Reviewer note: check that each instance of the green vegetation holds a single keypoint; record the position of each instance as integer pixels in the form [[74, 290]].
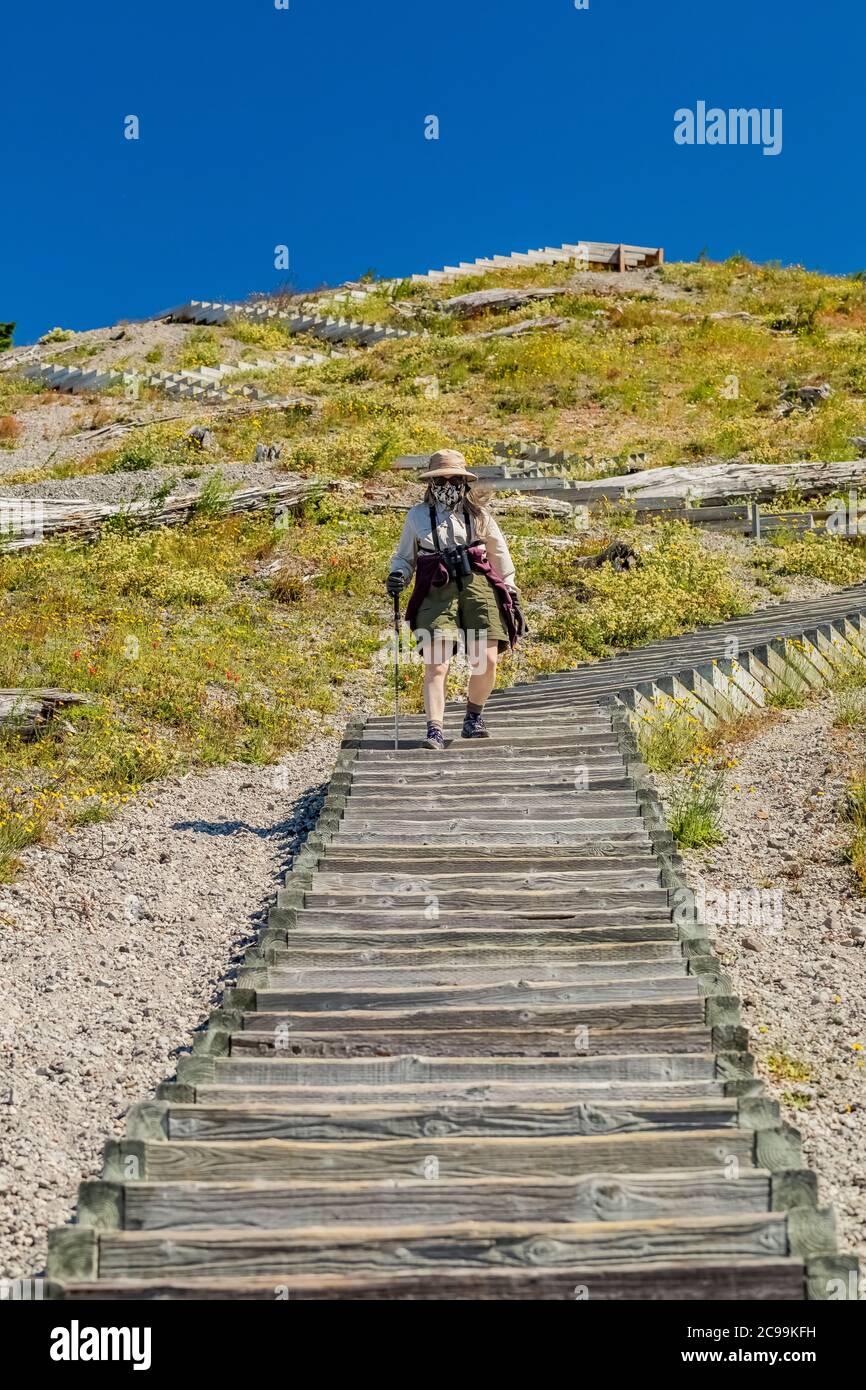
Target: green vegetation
[[783, 1067], [246, 637], [678, 585], [835, 560], [201, 349], [187, 656], [696, 806], [668, 739], [856, 812], [7, 331]]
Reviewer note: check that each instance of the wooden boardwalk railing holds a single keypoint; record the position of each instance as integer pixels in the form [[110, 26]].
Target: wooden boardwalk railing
[[483, 1049]]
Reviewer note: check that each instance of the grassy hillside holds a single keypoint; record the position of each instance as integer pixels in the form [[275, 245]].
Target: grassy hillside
[[232, 639]]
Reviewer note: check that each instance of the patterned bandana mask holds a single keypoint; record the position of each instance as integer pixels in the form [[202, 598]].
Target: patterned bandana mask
[[446, 494]]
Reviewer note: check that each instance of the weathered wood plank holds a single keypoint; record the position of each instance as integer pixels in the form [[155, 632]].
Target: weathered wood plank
[[336, 1249], [407, 1069], [598, 1197], [466, 1119], [543, 936], [389, 1004], [614, 919], [609, 896], [560, 1023], [351, 978], [456, 1092], [700, 1281], [274, 1159]]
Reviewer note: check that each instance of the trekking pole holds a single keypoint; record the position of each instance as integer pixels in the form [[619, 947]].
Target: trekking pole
[[396, 672]]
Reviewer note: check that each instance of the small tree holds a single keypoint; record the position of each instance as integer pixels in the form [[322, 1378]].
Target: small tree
[[6, 331]]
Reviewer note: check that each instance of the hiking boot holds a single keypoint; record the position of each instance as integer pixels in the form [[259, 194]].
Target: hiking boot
[[435, 739], [474, 727]]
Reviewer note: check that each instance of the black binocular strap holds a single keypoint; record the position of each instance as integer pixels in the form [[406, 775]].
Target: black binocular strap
[[435, 530]]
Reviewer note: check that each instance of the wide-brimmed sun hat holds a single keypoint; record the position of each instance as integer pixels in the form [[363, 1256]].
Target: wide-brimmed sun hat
[[448, 463]]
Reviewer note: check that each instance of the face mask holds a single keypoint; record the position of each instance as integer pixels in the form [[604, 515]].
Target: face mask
[[446, 493]]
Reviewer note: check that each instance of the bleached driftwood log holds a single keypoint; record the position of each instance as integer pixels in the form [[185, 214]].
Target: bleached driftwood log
[[26, 711], [26, 525], [720, 482], [467, 305]]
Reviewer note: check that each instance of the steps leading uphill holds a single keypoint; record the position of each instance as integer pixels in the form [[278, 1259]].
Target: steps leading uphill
[[483, 1049]]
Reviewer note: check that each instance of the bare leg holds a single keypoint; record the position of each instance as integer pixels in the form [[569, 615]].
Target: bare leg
[[435, 676], [482, 657]]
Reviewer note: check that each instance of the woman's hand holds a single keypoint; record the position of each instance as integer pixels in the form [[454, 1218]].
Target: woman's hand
[[395, 583]]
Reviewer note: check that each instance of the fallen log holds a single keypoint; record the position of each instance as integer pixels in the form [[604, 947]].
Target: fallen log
[[721, 482], [532, 506], [467, 305], [516, 330], [28, 521], [26, 712]]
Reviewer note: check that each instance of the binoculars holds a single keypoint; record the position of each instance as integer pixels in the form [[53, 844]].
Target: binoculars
[[457, 562]]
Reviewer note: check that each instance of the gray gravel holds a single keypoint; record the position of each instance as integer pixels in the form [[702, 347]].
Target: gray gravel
[[116, 942], [803, 984], [142, 484]]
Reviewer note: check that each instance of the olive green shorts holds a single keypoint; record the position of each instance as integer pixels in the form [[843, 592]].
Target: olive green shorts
[[472, 613]]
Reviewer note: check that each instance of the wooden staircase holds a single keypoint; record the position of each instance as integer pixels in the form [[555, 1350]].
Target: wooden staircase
[[483, 1049]]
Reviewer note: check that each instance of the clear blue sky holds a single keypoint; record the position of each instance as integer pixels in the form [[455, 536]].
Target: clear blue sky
[[261, 126]]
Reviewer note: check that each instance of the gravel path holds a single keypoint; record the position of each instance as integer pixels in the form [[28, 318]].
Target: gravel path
[[126, 487], [115, 943], [802, 981]]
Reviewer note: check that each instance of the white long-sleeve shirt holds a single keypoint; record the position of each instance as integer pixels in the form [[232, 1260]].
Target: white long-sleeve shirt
[[451, 530]]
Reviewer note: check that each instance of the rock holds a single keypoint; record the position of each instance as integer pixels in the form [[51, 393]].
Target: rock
[[751, 944], [202, 438], [805, 397]]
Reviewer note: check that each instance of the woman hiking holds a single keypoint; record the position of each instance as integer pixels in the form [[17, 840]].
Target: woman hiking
[[464, 587]]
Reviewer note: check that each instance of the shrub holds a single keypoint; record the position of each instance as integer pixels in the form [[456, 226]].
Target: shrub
[[10, 431], [193, 588], [678, 585], [56, 335], [201, 349], [835, 560], [696, 808], [667, 740]]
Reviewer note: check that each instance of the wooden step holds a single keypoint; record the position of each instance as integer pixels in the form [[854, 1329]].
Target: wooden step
[[155, 1206], [351, 978], [332, 1249], [693, 1280], [546, 936], [687, 1064], [390, 1004], [603, 961], [455, 1091], [466, 1119]]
